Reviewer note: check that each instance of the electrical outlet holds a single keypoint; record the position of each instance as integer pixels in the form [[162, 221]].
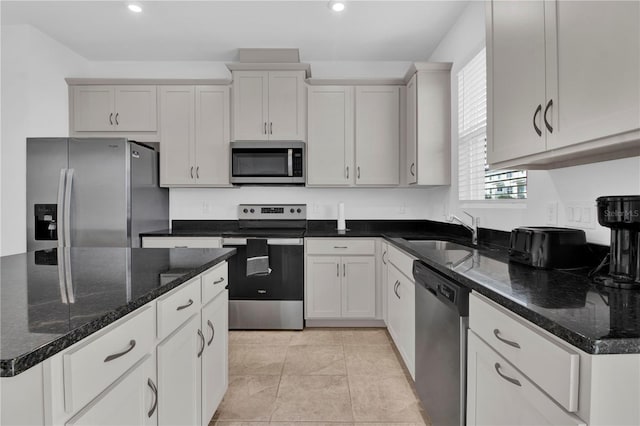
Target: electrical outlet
[[552, 213], [581, 215], [402, 209], [206, 208]]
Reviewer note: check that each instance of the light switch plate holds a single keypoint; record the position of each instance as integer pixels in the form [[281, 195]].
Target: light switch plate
[[581, 214], [552, 213]]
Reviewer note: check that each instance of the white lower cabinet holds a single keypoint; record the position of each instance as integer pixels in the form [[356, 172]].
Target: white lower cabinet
[[130, 400], [498, 394], [341, 287], [401, 315], [215, 365], [179, 375]]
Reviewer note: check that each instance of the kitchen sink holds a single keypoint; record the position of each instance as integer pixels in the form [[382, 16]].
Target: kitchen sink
[[438, 245]]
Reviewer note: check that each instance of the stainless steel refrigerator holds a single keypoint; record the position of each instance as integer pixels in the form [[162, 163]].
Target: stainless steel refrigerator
[[99, 192]]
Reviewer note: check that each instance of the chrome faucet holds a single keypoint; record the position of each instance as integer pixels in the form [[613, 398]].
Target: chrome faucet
[[473, 228]]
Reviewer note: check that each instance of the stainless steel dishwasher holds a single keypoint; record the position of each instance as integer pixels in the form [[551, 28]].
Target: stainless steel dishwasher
[[442, 320]]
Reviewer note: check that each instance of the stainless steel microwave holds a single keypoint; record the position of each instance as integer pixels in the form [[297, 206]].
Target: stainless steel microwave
[[272, 162]]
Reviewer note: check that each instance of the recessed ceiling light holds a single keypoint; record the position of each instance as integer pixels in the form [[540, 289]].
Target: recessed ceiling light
[[336, 6], [135, 8]]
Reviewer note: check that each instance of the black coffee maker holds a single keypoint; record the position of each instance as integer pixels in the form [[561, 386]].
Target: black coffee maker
[[621, 213]]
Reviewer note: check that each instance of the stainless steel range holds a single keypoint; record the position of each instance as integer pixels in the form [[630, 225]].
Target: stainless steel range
[[266, 276]]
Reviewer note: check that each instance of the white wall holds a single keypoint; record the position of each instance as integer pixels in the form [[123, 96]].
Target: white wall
[[34, 103], [567, 186]]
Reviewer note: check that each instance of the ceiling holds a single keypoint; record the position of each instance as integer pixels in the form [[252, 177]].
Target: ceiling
[[214, 30]]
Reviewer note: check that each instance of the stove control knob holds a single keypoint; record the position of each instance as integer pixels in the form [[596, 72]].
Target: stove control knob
[[299, 210], [252, 211], [245, 211], [292, 210]]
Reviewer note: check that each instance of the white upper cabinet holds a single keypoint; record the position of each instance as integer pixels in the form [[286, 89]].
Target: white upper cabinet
[[354, 135], [330, 140], [194, 128], [114, 108], [269, 105], [428, 120], [563, 82], [377, 135]]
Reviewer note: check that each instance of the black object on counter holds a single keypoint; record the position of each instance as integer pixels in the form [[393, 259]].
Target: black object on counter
[[621, 213], [548, 247]]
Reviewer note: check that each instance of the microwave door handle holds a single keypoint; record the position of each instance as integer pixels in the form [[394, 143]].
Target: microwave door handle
[[290, 161]]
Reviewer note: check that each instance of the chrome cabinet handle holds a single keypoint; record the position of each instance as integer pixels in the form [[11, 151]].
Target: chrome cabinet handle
[[132, 344], [496, 333], [111, 119], [507, 378], [344, 269], [154, 389], [395, 288], [189, 303], [191, 172], [213, 332], [218, 281], [358, 170], [347, 172], [265, 127], [202, 340], [340, 247], [412, 169], [198, 172], [270, 128], [383, 255], [535, 115], [337, 269], [117, 114], [546, 121]]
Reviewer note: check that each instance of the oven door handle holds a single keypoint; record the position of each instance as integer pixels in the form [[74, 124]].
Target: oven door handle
[[270, 241], [290, 161]]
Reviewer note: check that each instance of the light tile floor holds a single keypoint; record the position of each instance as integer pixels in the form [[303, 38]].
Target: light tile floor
[[336, 377]]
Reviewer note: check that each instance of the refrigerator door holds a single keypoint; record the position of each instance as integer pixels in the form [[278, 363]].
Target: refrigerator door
[[99, 213], [46, 159]]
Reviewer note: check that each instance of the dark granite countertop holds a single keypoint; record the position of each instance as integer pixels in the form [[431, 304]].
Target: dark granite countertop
[[566, 303], [40, 316]]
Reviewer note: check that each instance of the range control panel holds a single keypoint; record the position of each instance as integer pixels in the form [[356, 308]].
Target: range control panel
[[272, 211]]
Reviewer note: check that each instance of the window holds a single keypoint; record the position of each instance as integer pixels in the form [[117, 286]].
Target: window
[[475, 180]]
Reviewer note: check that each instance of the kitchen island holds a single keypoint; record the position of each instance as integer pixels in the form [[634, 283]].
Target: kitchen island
[[80, 326]]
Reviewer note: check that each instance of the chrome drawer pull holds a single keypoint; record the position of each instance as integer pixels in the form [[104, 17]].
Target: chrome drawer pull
[[342, 247], [218, 281], [155, 399], [179, 308], [213, 332], [496, 333], [202, 340], [132, 344], [383, 255], [180, 247], [507, 378]]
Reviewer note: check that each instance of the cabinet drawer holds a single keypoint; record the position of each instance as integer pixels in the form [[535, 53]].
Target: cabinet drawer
[[339, 247], [401, 260], [552, 366], [176, 307], [214, 282], [181, 242], [94, 365]]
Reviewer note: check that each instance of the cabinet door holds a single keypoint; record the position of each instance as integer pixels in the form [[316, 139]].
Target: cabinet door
[[497, 394], [330, 139], [179, 375], [377, 135], [385, 277], [394, 313], [358, 287], [212, 135], [93, 108], [409, 167], [406, 293], [322, 293], [515, 79], [593, 70], [250, 105], [177, 123], [135, 108], [130, 400], [215, 377], [287, 109]]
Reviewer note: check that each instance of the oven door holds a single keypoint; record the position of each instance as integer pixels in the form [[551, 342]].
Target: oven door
[[274, 301]]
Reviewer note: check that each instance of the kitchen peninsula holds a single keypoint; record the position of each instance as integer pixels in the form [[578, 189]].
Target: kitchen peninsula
[[86, 330]]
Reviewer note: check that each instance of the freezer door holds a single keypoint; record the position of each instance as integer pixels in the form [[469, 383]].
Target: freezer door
[[46, 159], [99, 207]]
